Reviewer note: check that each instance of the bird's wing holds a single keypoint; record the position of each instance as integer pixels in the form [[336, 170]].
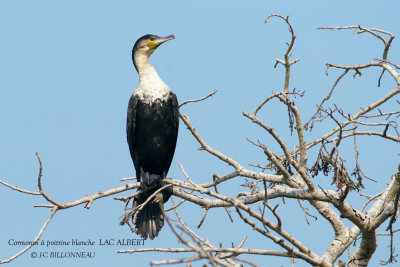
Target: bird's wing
[[175, 106], [131, 124]]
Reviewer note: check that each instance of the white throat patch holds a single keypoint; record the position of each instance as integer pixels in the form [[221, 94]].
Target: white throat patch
[[151, 87]]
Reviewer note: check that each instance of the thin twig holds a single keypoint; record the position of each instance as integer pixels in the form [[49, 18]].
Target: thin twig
[[198, 100], [53, 212]]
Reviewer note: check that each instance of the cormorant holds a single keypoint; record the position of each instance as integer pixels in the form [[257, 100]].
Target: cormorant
[[152, 131]]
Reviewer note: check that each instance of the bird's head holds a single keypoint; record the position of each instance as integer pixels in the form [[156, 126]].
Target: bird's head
[[145, 46]]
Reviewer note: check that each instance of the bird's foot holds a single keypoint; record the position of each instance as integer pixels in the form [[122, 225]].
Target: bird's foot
[[148, 180]]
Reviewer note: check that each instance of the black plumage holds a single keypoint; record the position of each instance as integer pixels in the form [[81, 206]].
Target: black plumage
[[152, 130]]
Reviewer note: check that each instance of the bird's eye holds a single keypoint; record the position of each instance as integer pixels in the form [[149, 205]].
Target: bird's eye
[[151, 38]]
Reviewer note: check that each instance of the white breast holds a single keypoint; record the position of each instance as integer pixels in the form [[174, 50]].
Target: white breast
[[151, 87]]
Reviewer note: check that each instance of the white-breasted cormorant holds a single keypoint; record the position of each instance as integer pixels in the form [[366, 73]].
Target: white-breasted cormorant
[[152, 130]]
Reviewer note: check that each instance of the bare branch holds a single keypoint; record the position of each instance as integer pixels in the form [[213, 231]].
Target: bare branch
[[372, 31], [53, 212], [198, 100], [288, 52], [356, 116], [19, 189], [324, 100], [237, 251]]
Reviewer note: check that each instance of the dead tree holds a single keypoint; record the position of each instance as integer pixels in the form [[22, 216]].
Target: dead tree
[[288, 175]]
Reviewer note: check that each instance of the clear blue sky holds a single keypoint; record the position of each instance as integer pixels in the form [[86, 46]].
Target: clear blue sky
[[67, 75]]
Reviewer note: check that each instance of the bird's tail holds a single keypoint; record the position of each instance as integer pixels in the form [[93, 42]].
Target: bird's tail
[[150, 219]]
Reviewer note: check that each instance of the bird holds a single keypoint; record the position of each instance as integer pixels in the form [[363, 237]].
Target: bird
[[152, 131]]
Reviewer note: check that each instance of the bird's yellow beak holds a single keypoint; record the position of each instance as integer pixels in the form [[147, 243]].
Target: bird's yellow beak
[[158, 41]]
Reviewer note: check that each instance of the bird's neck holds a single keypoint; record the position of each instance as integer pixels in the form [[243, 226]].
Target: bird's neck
[[143, 68], [151, 88], [148, 73], [140, 61]]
